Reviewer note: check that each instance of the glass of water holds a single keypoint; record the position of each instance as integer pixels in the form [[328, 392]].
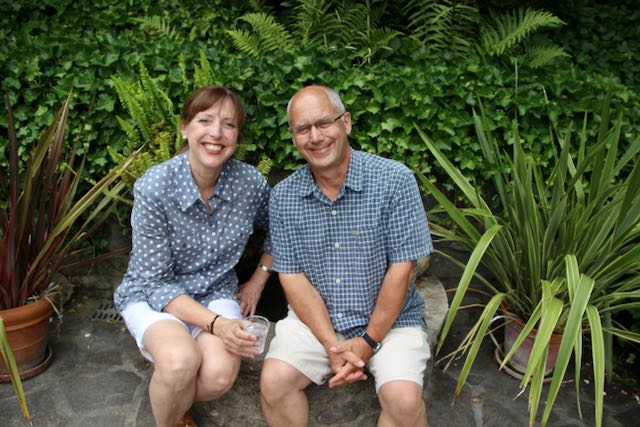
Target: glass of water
[[258, 326]]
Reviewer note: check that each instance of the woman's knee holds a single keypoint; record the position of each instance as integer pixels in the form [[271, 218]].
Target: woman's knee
[[217, 377], [176, 365]]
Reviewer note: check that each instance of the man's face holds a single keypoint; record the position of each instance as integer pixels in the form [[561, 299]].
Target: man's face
[[320, 132]]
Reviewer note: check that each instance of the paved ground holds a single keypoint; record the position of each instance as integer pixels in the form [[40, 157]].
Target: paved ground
[[99, 379]]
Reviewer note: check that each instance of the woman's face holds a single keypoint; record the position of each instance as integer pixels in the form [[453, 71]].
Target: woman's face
[[212, 137]]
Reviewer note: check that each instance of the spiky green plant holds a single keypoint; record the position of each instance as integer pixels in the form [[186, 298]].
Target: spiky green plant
[[563, 249], [14, 373], [46, 217]]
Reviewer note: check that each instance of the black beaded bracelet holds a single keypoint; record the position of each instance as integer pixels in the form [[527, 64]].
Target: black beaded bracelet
[[212, 323]]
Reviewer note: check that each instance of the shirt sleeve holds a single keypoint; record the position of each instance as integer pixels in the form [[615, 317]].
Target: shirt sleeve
[[262, 215], [408, 231], [285, 260], [151, 252]]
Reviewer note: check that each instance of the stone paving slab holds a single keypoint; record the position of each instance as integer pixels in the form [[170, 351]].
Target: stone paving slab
[[98, 378]]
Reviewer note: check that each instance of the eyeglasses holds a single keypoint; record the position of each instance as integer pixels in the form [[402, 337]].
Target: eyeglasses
[[324, 124]]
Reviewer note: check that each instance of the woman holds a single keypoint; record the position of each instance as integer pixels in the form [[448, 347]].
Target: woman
[[191, 219]]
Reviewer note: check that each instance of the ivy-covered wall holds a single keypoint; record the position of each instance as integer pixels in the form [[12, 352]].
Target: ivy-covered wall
[[51, 47]]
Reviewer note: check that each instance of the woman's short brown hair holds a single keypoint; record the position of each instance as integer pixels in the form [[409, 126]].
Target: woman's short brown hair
[[207, 96]]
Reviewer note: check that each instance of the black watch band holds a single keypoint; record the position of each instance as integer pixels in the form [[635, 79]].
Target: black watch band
[[372, 343]]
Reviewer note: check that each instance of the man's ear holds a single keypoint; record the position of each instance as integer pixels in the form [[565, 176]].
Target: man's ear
[[347, 122]]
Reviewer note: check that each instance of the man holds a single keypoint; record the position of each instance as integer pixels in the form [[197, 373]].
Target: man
[[347, 229]]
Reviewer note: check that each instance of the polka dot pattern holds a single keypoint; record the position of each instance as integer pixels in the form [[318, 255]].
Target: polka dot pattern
[[181, 248]]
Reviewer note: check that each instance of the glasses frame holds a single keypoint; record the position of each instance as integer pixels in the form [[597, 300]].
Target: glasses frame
[[329, 122]]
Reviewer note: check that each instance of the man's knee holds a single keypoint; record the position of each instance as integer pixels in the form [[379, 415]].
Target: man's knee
[[402, 398], [278, 378]]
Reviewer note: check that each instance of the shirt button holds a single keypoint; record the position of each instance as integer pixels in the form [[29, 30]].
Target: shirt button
[[334, 212], [336, 245], [338, 281], [339, 315]]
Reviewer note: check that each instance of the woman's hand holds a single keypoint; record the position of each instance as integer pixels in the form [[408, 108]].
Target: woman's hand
[[248, 295], [236, 340]]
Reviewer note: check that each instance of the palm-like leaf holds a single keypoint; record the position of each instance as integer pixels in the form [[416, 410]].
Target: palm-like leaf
[[566, 256], [44, 209]]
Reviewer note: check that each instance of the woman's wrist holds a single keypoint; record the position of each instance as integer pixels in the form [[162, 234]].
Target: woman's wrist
[[212, 324]]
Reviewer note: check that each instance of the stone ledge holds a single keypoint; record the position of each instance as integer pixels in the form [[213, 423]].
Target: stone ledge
[[349, 405]]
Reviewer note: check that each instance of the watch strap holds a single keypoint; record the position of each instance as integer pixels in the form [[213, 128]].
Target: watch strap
[[372, 343]]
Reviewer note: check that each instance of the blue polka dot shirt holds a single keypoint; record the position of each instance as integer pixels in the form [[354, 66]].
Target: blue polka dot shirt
[[180, 248], [344, 247]]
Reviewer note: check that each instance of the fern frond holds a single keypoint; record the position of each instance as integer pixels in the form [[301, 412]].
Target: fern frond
[[268, 35], [265, 165], [272, 34], [241, 152], [508, 29], [539, 56], [156, 26], [315, 23], [246, 42], [443, 25], [202, 74]]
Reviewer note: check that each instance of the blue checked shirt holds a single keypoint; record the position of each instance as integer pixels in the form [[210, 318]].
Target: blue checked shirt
[[179, 247], [344, 247]]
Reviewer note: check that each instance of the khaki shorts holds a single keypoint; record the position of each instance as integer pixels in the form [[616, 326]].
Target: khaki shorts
[[139, 316], [403, 355]]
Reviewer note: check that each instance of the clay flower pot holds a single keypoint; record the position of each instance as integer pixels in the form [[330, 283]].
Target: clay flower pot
[[28, 330]]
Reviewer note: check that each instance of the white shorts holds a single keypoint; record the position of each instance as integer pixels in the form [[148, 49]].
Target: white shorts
[[139, 316], [403, 355]]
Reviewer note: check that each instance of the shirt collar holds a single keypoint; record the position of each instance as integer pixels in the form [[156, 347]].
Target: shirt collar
[[188, 187], [353, 180]]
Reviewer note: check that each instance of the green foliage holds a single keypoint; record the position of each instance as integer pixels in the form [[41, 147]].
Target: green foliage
[[47, 216], [268, 35], [561, 246], [14, 372], [317, 24], [443, 25], [385, 95], [504, 31], [152, 122]]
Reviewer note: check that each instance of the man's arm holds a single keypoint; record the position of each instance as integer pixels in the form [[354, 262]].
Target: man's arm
[[391, 298], [312, 311]]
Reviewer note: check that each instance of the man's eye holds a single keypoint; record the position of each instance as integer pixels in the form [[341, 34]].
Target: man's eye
[[303, 130], [324, 124]]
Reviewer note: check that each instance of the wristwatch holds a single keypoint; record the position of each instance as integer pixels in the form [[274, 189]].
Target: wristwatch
[[372, 343]]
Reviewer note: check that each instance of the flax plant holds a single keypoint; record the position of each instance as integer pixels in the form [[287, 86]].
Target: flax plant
[[14, 374], [563, 249], [46, 216]]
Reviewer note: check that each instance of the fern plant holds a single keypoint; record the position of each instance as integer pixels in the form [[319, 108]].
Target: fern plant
[[502, 33], [322, 24], [267, 36], [442, 24], [153, 126], [152, 123]]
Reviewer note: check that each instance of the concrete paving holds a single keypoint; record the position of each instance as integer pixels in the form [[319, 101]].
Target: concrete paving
[[98, 378]]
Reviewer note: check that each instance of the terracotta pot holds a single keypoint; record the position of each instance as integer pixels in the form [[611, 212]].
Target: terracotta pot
[[28, 331], [520, 358]]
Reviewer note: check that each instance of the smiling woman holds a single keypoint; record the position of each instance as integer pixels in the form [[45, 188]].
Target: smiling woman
[[191, 220]]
